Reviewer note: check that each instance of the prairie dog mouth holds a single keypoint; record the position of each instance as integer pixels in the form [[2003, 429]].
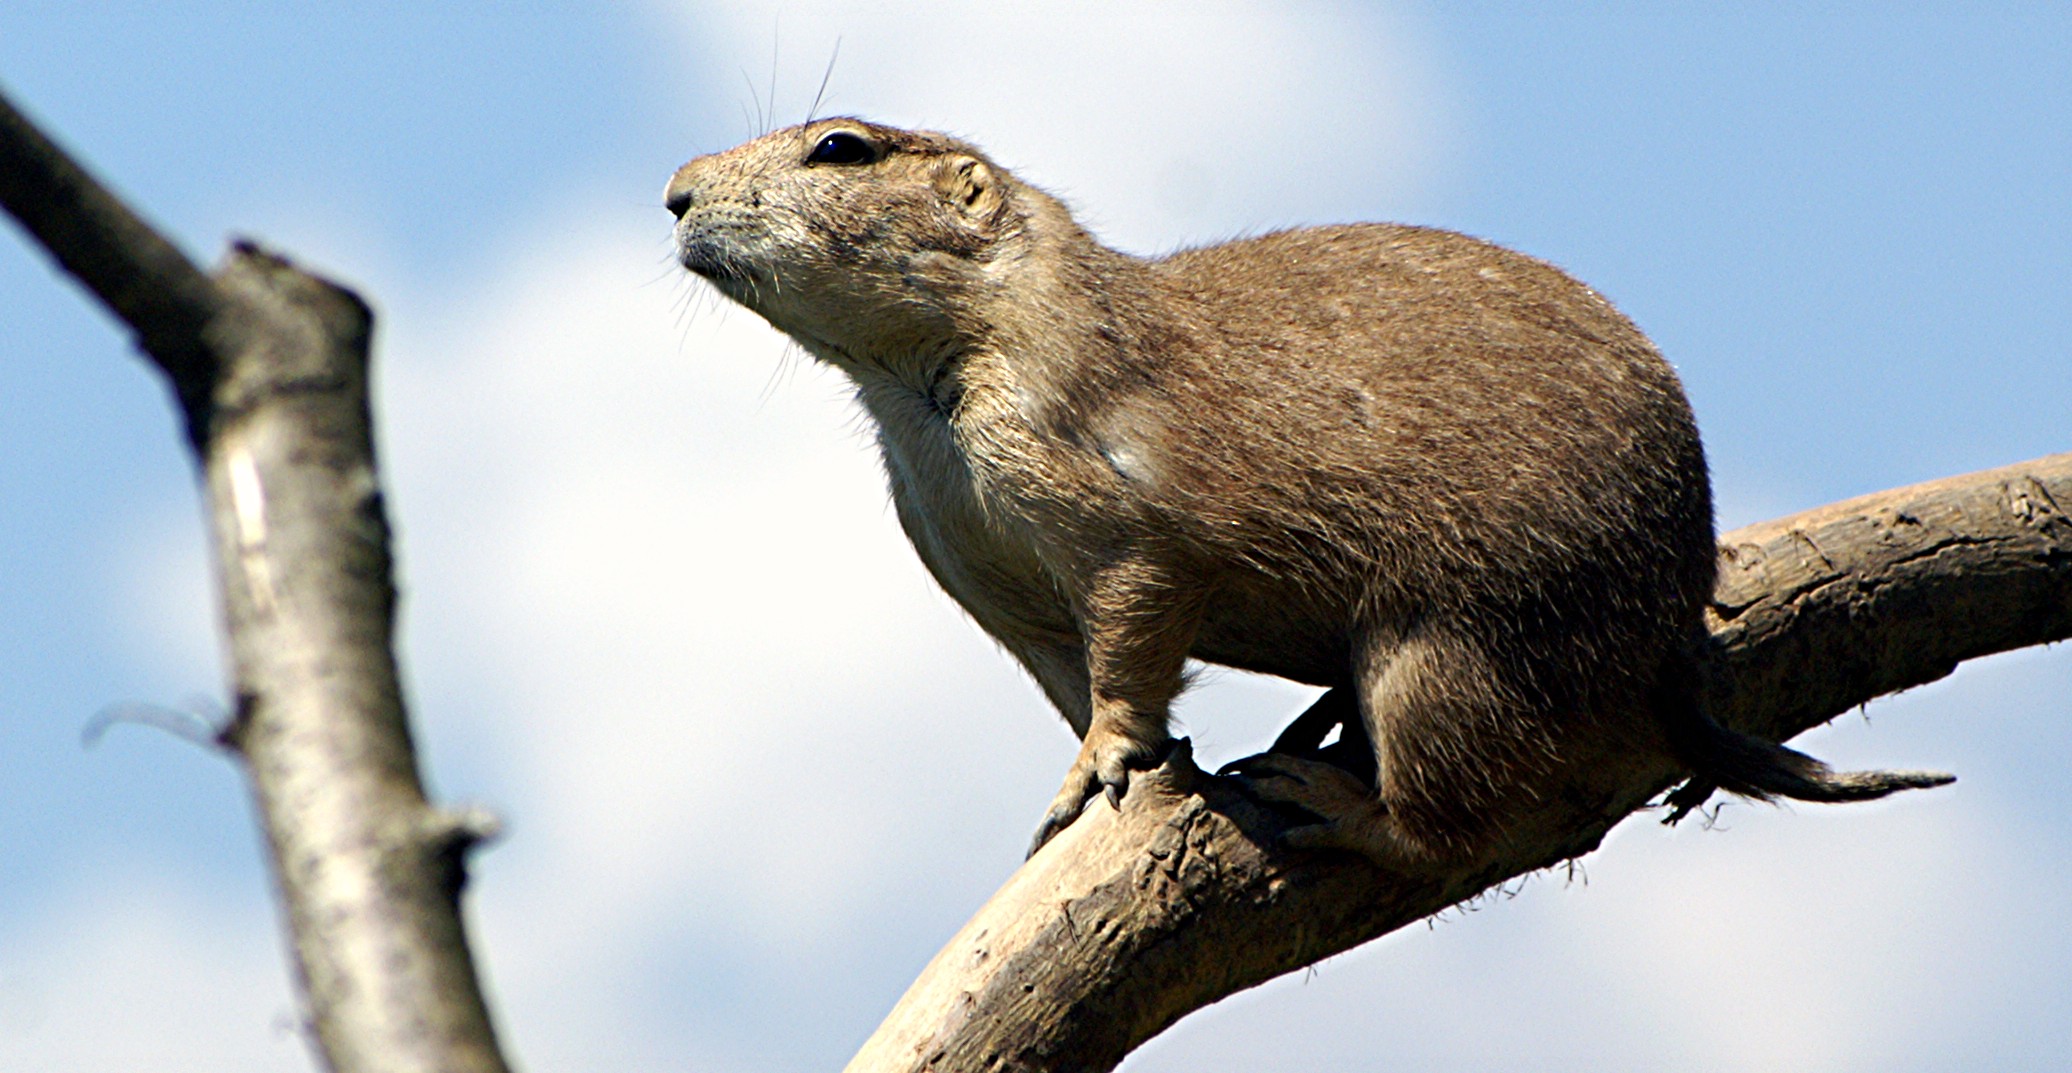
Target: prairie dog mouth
[[704, 258], [710, 256]]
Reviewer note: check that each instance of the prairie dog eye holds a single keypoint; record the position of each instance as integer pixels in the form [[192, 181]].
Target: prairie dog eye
[[842, 147]]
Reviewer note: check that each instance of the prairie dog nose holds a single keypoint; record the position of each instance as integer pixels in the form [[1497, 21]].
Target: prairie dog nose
[[676, 197]]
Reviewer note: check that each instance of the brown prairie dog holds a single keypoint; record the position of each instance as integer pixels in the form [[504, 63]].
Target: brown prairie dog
[[1441, 478]]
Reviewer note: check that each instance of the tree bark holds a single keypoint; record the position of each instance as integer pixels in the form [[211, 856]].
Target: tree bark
[[270, 367], [1130, 919]]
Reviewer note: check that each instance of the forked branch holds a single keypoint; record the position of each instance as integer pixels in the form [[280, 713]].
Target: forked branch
[[270, 366]]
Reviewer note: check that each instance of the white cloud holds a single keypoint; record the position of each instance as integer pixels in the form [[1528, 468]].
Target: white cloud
[[130, 973], [160, 595], [1160, 125]]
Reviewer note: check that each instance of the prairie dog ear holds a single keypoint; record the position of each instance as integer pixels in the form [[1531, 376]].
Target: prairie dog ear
[[967, 183]]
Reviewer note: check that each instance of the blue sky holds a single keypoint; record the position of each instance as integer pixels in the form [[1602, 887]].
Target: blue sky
[[658, 615]]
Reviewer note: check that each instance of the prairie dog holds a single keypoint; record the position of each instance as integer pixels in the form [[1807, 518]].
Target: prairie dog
[[1441, 478]]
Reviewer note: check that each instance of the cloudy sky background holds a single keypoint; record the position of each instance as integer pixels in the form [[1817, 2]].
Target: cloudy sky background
[[658, 614]]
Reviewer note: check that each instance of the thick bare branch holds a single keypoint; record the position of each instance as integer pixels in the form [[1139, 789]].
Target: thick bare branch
[[1130, 920], [1820, 611], [370, 872], [271, 364]]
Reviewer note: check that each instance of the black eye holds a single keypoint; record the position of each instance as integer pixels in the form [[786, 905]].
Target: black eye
[[841, 147]]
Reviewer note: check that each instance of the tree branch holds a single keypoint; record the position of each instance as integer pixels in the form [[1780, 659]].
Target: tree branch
[[142, 278], [270, 364], [1129, 920]]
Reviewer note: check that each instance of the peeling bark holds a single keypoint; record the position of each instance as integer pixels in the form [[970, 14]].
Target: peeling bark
[[1129, 920]]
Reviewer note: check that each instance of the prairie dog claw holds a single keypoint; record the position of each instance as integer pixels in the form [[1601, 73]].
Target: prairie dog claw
[[1350, 816], [1102, 769]]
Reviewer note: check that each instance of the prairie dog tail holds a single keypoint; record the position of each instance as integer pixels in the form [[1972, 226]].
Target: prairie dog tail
[[1723, 759]]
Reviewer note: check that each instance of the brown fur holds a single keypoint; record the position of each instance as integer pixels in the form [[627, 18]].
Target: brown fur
[[1403, 463]]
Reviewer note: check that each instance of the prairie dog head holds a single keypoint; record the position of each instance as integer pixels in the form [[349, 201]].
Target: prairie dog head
[[865, 243]]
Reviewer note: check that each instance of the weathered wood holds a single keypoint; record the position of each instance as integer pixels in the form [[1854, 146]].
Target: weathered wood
[[370, 873], [1131, 919], [270, 364]]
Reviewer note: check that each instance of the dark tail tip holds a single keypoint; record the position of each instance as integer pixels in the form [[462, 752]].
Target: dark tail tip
[[1726, 760]]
